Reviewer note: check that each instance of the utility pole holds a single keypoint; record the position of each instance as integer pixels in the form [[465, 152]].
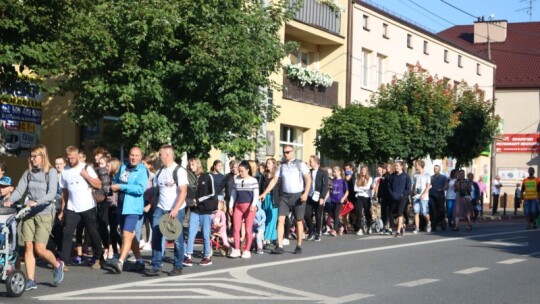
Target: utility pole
[[528, 9], [493, 160]]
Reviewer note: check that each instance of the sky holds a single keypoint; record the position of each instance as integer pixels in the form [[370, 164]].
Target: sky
[[436, 15]]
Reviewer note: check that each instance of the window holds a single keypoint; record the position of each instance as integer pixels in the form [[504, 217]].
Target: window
[[365, 22], [365, 67], [385, 30], [292, 136], [478, 70], [426, 51], [380, 69], [304, 59], [459, 63], [446, 56], [409, 41]]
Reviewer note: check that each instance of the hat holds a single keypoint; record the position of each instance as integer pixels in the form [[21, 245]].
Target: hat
[[170, 228], [5, 181]]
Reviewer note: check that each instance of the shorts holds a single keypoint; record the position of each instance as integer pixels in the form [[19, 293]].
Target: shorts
[[37, 228], [398, 206], [291, 202], [421, 206], [128, 222], [530, 207]]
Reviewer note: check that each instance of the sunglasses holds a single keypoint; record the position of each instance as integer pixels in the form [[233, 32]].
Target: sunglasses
[[287, 152]]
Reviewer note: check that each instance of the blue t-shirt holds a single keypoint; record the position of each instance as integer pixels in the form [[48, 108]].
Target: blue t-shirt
[[339, 187]]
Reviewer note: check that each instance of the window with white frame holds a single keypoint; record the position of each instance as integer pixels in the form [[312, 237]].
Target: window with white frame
[[446, 56], [478, 69], [426, 45], [365, 22], [293, 136], [381, 63], [385, 30], [409, 41], [365, 67], [459, 61], [303, 58]]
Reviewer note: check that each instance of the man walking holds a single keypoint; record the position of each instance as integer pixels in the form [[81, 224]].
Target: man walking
[[422, 186], [530, 189], [170, 187], [436, 195], [78, 205], [315, 203], [399, 187], [295, 186]]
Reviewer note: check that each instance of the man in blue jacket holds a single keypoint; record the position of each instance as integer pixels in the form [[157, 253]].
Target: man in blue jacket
[[399, 186], [130, 183]]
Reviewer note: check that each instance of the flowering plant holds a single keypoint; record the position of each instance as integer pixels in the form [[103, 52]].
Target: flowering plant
[[334, 5], [306, 76]]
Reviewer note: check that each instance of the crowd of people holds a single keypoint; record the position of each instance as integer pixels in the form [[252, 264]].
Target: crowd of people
[[106, 206]]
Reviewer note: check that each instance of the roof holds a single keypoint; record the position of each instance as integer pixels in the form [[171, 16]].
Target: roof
[[413, 25], [517, 58]]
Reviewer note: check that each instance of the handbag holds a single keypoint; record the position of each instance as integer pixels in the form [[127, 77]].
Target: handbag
[[347, 207], [99, 196]]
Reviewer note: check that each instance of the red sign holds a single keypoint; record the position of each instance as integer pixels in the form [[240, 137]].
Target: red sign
[[519, 143]]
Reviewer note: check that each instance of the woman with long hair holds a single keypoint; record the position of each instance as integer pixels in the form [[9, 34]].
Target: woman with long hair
[[113, 165], [451, 196], [270, 201], [362, 204], [463, 207], [39, 182], [338, 196]]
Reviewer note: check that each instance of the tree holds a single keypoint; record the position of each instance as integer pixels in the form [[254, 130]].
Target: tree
[[189, 72], [476, 128], [358, 133], [426, 112]]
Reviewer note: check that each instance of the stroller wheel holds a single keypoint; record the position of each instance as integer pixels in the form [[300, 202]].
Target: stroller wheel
[[15, 283]]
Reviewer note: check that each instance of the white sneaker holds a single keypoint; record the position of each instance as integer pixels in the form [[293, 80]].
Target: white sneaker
[[235, 253], [285, 242], [246, 255], [415, 231], [147, 247], [428, 227], [141, 244], [132, 258], [359, 232]]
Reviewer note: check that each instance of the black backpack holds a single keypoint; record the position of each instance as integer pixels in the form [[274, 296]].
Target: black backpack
[[192, 180]]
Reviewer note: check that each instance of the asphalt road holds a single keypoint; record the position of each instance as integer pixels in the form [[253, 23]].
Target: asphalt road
[[498, 262]]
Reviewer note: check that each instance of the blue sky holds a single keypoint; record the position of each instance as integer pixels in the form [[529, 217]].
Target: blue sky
[[436, 15]]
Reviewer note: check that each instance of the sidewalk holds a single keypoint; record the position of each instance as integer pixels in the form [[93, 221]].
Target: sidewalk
[[502, 216]]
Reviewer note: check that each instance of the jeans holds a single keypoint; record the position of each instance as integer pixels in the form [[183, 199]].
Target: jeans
[[158, 241], [450, 209], [495, 203], [196, 220]]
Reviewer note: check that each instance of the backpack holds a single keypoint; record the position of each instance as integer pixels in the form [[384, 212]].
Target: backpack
[[99, 195], [192, 179]]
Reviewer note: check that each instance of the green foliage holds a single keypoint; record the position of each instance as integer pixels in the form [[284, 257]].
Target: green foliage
[[426, 110], [188, 72], [358, 133], [476, 127]]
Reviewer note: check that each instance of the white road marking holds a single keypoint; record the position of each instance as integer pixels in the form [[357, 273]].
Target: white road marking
[[511, 261], [507, 244], [532, 254], [78, 294], [471, 270], [417, 282], [509, 239]]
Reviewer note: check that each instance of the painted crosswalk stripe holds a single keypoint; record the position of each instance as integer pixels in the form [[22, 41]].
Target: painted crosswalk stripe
[[511, 261], [506, 244], [417, 282], [471, 270]]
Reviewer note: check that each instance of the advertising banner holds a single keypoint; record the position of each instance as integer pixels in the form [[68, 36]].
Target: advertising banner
[[519, 143]]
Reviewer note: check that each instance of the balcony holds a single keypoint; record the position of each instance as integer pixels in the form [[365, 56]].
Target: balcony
[[318, 15], [320, 96]]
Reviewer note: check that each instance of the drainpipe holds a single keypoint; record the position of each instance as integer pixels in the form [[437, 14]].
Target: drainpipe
[[348, 76]]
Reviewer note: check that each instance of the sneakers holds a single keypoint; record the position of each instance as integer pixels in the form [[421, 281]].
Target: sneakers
[[278, 250], [285, 242], [117, 266], [317, 238], [428, 227], [298, 250], [132, 259], [187, 262], [175, 272], [96, 265], [30, 284], [293, 235], [77, 260], [359, 232], [415, 231], [235, 253], [139, 267], [311, 237], [246, 254], [58, 273], [260, 251], [207, 261], [154, 272], [333, 233]]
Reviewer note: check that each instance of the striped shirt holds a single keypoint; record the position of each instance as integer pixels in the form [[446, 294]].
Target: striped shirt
[[245, 190]]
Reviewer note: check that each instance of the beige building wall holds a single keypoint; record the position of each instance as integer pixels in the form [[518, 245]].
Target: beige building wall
[[392, 46]]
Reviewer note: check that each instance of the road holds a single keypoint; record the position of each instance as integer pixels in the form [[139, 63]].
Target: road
[[496, 263]]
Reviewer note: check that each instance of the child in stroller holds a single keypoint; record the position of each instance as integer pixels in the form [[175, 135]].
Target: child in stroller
[[219, 241]]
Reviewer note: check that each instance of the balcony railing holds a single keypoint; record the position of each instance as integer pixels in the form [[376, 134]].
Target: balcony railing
[[319, 15], [320, 96]]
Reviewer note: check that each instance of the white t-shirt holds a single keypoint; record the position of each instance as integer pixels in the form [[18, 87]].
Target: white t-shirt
[[451, 193], [292, 181], [80, 196], [422, 180], [168, 190], [496, 190]]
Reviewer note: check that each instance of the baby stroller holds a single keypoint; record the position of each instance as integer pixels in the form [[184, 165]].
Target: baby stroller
[[15, 279], [216, 244], [377, 223]]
